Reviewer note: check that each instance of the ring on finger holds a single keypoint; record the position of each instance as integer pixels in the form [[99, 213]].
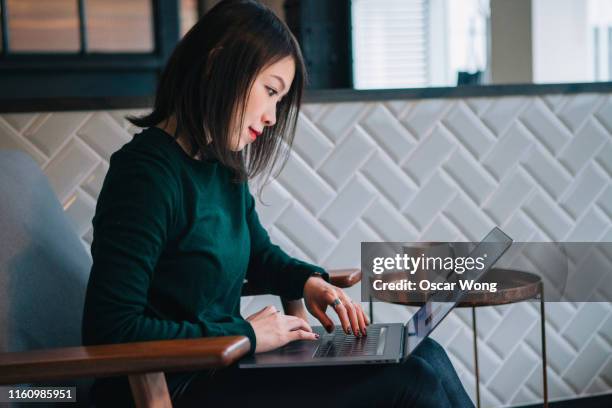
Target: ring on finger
[[336, 302]]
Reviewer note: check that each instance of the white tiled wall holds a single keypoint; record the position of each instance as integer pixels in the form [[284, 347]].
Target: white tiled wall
[[438, 169]]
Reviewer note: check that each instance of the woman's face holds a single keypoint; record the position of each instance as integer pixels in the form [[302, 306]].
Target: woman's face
[[269, 87]]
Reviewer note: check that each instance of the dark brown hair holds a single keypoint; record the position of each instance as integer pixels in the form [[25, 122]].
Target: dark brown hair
[[207, 80]]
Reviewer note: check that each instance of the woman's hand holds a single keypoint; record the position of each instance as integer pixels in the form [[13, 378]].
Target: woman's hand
[[273, 329], [318, 294]]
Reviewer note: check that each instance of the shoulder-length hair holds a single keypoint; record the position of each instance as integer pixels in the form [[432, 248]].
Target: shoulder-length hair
[[206, 82]]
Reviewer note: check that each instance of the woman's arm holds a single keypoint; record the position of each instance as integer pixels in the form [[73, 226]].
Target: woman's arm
[[133, 223], [269, 266]]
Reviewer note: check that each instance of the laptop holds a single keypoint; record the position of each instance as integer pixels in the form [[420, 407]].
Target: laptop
[[385, 343]]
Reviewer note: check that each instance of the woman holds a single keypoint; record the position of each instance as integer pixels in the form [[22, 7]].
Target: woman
[[176, 231]]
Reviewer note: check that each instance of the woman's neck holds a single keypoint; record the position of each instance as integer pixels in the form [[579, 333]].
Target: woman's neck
[[169, 126]]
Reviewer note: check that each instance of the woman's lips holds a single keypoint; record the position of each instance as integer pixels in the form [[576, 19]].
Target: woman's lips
[[253, 134]]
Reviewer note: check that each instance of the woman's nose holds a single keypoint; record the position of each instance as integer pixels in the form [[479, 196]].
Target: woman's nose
[[269, 117]]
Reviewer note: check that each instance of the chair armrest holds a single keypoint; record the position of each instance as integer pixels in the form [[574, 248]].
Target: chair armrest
[[342, 278], [121, 359]]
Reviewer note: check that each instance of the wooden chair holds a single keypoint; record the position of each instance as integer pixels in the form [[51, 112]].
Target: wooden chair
[[43, 277]]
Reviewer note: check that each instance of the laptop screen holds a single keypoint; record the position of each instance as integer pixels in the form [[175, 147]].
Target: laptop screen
[[440, 303]]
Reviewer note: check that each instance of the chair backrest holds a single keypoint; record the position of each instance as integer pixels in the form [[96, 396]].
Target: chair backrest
[[44, 266]]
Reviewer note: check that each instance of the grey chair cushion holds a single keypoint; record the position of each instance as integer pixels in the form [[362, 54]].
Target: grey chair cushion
[[44, 266]]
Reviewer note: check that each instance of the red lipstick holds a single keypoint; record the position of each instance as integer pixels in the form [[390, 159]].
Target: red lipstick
[[253, 133]]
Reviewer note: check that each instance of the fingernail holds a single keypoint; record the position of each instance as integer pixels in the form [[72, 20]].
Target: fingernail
[[316, 336], [348, 330]]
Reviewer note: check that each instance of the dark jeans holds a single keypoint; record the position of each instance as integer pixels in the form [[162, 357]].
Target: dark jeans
[[426, 379]]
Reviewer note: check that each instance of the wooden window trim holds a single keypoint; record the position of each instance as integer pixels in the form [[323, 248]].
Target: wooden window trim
[[67, 81]]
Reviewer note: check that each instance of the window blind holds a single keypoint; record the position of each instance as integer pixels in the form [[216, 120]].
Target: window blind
[[390, 43]]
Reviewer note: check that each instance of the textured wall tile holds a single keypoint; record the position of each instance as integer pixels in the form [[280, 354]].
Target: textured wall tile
[[346, 250], [339, 118], [584, 323], [555, 102], [11, 140], [69, 167], [431, 152], [510, 330], [477, 184], [347, 157], [441, 229], [544, 125], [606, 331], [557, 387], [556, 345], [49, 135], [387, 221], [389, 179], [590, 227], [557, 314], [103, 134], [468, 218], [605, 201], [274, 200], [502, 112], [468, 128], [432, 198], [583, 146], [604, 158], [311, 143], [479, 104], [506, 378], [312, 191], [425, 115], [548, 217], [547, 171], [604, 113], [347, 206], [459, 346], [578, 108], [509, 194], [19, 121], [586, 187], [397, 107], [302, 227], [388, 132], [586, 364], [509, 149], [600, 267]]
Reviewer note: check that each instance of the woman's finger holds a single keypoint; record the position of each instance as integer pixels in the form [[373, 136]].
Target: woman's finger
[[263, 312], [302, 335], [296, 323], [338, 306], [351, 311], [324, 319], [361, 316]]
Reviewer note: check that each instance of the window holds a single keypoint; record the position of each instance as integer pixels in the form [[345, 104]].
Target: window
[[417, 43], [88, 54], [599, 22], [390, 43]]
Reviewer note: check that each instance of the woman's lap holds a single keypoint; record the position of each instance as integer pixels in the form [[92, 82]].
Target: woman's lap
[[423, 380]]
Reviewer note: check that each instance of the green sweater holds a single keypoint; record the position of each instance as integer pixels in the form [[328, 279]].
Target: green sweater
[[174, 239]]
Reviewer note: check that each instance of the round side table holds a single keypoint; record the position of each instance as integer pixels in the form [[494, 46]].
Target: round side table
[[512, 286]]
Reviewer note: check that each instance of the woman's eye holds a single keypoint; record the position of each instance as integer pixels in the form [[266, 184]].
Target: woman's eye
[[271, 92]]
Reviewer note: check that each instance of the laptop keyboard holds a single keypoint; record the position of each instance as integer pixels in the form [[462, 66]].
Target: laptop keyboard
[[340, 344]]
